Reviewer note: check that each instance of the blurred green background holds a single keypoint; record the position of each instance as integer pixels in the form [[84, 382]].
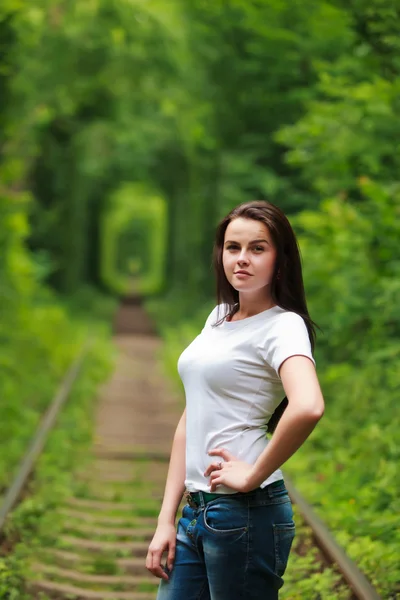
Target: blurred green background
[[129, 127]]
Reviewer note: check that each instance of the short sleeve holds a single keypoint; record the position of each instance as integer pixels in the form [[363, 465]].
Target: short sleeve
[[287, 337]]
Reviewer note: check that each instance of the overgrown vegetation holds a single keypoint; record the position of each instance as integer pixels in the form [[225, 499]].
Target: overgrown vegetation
[[201, 105], [35, 524], [343, 152]]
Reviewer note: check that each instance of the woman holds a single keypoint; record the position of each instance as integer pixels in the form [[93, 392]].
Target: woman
[[235, 534]]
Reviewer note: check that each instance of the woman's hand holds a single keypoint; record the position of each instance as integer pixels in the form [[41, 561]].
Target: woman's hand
[[231, 472], [164, 540]]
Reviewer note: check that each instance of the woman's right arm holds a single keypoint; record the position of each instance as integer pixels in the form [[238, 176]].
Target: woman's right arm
[[164, 538]]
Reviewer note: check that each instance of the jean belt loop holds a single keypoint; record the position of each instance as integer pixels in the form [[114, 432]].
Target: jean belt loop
[[202, 501]]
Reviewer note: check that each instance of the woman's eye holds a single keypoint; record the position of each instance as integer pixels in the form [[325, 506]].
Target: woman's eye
[[255, 248]]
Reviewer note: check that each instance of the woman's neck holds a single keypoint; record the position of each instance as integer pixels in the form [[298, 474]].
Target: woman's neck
[[253, 307]]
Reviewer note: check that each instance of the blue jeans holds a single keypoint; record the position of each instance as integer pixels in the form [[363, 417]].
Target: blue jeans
[[234, 547]]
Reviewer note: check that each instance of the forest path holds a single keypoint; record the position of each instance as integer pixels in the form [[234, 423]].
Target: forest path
[[109, 522]]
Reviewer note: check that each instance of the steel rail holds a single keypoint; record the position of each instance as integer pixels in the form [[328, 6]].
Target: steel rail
[[36, 446], [360, 585]]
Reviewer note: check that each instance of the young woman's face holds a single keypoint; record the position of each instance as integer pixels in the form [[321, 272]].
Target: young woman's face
[[248, 255]]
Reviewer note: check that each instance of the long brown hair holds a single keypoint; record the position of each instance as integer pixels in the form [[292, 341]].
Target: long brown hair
[[287, 289]]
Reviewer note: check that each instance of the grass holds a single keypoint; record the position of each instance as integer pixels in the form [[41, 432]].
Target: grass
[[35, 523], [307, 575]]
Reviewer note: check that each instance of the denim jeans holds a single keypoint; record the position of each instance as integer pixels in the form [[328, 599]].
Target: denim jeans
[[232, 548]]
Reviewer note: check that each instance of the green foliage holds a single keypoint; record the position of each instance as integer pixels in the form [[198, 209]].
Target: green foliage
[[129, 128], [185, 101], [12, 579], [133, 229], [350, 131], [39, 342], [345, 146], [307, 575], [75, 136], [34, 524], [348, 468]]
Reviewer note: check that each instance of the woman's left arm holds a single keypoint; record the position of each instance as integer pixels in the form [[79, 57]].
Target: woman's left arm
[[305, 408]]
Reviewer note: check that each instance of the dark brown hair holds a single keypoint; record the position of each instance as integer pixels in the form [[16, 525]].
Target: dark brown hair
[[287, 290]]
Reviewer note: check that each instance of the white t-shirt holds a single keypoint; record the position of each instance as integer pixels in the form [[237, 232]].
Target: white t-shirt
[[232, 386]]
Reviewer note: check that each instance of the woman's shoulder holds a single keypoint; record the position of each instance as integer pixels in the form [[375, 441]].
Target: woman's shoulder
[[286, 320], [287, 316], [218, 312], [212, 317]]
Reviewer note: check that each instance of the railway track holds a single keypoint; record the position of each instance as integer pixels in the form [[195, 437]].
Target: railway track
[[108, 522]]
